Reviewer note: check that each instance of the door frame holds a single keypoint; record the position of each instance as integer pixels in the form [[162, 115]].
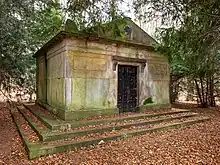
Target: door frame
[[138, 65]]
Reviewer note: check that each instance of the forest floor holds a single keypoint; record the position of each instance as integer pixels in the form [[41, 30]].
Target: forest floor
[[195, 144]]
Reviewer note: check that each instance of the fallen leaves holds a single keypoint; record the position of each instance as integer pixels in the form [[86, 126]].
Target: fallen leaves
[[195, 144]]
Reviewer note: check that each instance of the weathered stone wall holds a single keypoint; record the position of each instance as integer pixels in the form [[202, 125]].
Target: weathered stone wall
[[136, 34], [154, 79], [56, 76], [157, 78], [89, 77], [140, 36], [41, 79], [93, 81], [79, 76]]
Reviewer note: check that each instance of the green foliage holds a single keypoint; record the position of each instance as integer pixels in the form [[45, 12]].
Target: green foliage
[[24, 27], [191, 41], [88, 14], [149, 100], [113, 29], [71, 26]]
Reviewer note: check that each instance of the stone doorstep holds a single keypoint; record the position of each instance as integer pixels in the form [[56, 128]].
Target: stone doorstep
[[56, 125], [36, 150], [49, 136]]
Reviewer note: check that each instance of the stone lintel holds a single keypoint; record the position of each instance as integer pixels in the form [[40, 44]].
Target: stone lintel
[[128, 59]]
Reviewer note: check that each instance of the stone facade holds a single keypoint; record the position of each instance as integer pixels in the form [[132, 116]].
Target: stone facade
[[77, 76]]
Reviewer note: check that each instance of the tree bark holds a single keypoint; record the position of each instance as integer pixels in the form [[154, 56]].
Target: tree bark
[[211, 93], [202, 102], [174, 88]]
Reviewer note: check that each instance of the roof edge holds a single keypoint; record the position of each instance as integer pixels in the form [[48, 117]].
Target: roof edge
[[88, 36], [47, 43]]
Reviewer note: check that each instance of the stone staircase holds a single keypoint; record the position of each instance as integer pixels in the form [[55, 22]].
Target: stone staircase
[[43, 133]]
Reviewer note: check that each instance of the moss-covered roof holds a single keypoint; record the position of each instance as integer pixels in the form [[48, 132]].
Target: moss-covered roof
[[86, 36]]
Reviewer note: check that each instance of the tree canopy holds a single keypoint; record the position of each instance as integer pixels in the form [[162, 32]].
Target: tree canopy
[[190, 40], [189, 37], [26, 25]]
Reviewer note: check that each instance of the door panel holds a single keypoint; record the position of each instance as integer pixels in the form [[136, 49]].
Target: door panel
[[127, 88]]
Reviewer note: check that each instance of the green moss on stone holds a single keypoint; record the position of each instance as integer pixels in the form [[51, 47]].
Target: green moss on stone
[[148, 100]]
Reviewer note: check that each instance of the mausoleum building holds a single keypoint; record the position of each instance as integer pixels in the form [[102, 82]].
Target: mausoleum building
[[80, 75]]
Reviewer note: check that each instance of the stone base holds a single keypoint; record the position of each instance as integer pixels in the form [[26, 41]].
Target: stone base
[[154, 106], [71, 115]]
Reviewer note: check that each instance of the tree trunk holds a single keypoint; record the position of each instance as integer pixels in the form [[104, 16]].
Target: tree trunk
[[190, 91], [211, 93], [203, 103], [174, 88]]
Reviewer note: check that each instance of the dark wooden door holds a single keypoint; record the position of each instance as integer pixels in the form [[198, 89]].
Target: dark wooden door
[[127, 88]]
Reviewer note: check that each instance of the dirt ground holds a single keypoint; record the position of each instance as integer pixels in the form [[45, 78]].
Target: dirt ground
[[195, 144]]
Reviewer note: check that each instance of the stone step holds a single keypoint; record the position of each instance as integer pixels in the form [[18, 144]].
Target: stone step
[[47, 119], [56, 124], [38, 148], [62, 135], [51, 135], [40, 132], [26, 142]]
